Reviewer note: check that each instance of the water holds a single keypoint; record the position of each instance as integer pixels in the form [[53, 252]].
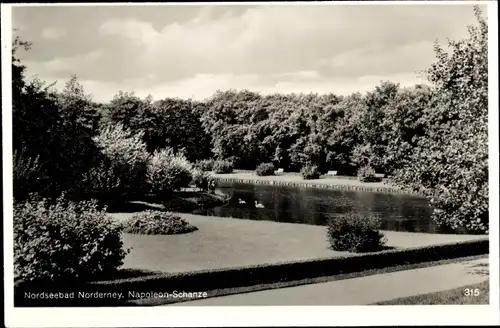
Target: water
[[314, 206]]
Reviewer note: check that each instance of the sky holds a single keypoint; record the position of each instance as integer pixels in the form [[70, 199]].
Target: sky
[[192, 51]]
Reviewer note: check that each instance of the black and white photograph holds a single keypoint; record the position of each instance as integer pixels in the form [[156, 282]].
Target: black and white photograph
[[189, 164]]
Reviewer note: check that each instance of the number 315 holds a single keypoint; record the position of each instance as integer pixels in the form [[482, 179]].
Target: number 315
[[471, 292]]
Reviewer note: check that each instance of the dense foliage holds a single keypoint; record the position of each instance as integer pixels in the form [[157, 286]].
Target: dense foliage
[[205, 164], [49, 130], [367, 174], [431, 139], [449, 161], [167, 171], [64, 241], [201, 179], [121, 168], [355, 233], [265, 169], [167, 123], [223, 166], [157, 223], [310, 172]]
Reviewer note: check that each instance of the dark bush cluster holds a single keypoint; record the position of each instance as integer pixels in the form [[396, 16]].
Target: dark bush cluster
[[201, 179], [223, 166], [158, 223], [355, 233], [310, 172], [205, 164], [64, 241], [167, 171], [367, 174], [265, 169]]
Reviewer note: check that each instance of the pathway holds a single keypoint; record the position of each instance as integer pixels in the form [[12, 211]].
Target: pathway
[[363, 290]]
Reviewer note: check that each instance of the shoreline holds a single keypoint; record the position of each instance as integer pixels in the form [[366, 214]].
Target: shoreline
[[184, 201], [325, 182]]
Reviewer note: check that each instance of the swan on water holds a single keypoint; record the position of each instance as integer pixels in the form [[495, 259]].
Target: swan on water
[[258, 205]]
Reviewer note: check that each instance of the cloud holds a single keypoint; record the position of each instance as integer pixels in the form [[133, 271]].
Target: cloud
[[194, 50], [64, 67], [203, 86], [281, 39], [130, 28], [51, 33]]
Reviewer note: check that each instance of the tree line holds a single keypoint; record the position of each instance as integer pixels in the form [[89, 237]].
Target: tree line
[[429, 138]]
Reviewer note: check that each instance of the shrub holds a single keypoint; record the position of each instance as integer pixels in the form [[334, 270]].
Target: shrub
[[102, 182], [309, 172], [55, 135], [367, 174], [223, 167], [122, 168], [64, 241], [201, 179], [27, 174], [158, 223], [265, 169], [355, 233], [205, 165], [167, 172], [449, 161]]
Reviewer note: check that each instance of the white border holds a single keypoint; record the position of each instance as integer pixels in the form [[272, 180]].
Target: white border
[[259, 3], [255, 316]]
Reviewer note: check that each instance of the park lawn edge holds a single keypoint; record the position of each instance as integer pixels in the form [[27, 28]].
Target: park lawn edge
[[295, 283], [454, 296], [246, 276]]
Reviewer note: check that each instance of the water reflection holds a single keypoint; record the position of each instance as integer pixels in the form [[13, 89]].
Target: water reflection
[[314, 206]]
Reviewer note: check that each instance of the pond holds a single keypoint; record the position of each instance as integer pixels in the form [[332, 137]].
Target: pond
[[315, 205]]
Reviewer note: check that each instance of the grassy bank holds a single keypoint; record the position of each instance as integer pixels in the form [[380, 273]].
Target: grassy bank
[[286, 284], [457, 296], [245, 279], [324, 181]]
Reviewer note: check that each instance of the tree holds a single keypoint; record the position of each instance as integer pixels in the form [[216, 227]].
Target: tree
[[42, 130], [177, 126], [78, 105], [450, 162], [402, 126], [344, 135], [370, 151]]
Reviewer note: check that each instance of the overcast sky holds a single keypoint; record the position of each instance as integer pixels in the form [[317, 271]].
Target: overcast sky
[[191, 51]]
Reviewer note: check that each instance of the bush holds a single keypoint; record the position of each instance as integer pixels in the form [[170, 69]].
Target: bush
[[27, 174], [167, 172], [205, 165], [158, 223], [265, 169], [122, 168], [201, 179], [64, 241], [102, 182], [54, 135], [309, 172], [367, 174], [355, 233], [223, 167]]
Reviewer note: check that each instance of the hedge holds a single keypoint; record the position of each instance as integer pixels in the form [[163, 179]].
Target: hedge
[[207, 280]]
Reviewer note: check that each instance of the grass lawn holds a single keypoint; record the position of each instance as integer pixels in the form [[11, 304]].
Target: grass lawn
[[296, 178], [455, 296], [227, 242]]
